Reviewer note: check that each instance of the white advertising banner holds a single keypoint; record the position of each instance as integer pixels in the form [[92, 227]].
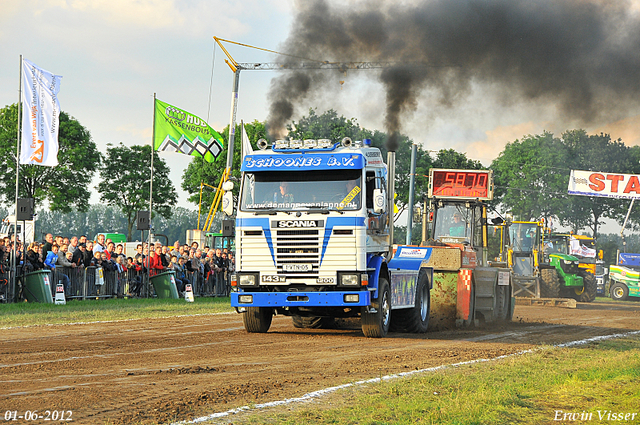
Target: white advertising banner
[[40, 116], [576, 248], [608, 185]]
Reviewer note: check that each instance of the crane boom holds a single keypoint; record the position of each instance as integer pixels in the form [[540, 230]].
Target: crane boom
[[341, 66]]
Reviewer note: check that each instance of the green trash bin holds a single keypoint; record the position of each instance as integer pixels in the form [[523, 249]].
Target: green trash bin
[[37, 287], [165, 285]]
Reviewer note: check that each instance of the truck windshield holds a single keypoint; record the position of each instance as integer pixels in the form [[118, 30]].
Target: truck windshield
[[332, 190]]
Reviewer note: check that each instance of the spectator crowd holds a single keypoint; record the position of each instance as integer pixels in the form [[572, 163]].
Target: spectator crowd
[[208, 270]]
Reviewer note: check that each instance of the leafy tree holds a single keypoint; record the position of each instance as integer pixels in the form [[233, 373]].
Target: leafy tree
[[327, 126], [65, 185], [449, 158], [531, 177], [125, 176]]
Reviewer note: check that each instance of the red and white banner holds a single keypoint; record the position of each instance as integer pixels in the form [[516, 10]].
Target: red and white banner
[[608, 185], [40, 116]]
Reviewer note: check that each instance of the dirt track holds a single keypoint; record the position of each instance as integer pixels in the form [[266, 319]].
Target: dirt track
[[164, 370]]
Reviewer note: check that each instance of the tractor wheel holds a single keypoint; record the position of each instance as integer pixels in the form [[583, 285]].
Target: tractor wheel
[[257, 319], [588, 292], [549, 283], [376, 325], [315, 322], [415, 319], [619, 291]]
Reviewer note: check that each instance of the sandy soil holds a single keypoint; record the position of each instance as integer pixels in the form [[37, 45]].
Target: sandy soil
[[159, 371]]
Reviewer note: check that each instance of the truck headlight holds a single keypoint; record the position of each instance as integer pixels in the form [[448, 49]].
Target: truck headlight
[[567, 261], [350, 279], [247, 280]]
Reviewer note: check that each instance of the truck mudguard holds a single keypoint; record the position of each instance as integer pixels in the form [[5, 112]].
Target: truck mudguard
[[375, 262]]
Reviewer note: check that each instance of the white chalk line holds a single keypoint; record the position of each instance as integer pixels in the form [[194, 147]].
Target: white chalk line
[[322, 392]]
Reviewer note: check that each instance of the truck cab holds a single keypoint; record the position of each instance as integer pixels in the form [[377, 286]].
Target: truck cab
[[312, 239]]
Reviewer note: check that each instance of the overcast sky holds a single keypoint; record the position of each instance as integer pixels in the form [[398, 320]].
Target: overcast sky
[[114, 55]]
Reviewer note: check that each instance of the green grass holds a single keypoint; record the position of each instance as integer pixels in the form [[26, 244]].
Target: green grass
[[28, 314], [528, 389]]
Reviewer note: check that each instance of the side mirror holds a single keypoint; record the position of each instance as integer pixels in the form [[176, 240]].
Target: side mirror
[[227, 203], [379, 201]]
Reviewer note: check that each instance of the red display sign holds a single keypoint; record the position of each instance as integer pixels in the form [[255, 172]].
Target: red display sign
[[468, 184]]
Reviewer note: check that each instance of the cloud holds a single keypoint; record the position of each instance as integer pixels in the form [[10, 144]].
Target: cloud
[[498, 137]]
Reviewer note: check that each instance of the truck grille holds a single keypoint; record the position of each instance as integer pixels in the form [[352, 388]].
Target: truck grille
[[296, 248]]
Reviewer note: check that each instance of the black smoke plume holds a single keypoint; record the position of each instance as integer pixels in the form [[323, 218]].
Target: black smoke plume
[[582, 56]]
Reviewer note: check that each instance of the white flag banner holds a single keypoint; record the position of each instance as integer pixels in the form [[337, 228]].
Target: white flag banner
[[246, 144], [40, 116]]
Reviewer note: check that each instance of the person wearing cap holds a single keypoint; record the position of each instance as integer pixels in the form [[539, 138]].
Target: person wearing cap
[[458, 226], [78, 254]]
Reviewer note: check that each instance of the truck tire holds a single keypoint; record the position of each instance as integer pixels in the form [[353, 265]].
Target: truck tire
[[315, 322], [415, 319], [590, 288], [619, 291], [549, 283], [376, 325], [257, 319]]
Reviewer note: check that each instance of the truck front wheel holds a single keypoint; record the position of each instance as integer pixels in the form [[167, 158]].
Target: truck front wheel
[[376, 325], [619, 292], [257, 319]]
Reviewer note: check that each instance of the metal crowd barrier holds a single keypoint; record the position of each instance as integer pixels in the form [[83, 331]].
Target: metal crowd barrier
[[98, 283]]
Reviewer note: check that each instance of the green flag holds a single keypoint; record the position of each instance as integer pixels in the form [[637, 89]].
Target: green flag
[[179, 131]]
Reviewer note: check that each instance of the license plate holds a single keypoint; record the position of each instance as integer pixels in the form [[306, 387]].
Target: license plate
[[296, 267], [274, 278]]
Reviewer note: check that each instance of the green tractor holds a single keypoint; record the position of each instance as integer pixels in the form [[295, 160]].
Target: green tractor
[[561, 273]]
